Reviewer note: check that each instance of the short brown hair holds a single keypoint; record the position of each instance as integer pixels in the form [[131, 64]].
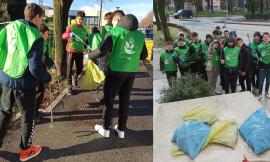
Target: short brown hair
[[80, 14], [266, 33], [108, 15], [119, 13], [31, 11], [239, 39], [43, 28], [194, 34]]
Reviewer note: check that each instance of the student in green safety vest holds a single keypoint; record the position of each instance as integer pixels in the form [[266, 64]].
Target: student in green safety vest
[[230, 57], [127, 48], [47, 63], [212, 64], [167, 62], [75, 49], [264, 65], [94, 39], [183, 56], [108, 26], [257, 40], [197, 54], [21, 70], [205, 48], [182, 36]]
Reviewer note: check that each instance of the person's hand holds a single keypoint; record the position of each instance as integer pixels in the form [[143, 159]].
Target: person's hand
[[86, 57], [72, 35], [243, 73], [222, 62]]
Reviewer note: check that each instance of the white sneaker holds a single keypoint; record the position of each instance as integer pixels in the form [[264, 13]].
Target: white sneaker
[[102, 131], [121, 134], [259, 97], [267, 95]]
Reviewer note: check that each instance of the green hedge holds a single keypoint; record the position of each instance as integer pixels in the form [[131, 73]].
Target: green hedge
[[186, 87]]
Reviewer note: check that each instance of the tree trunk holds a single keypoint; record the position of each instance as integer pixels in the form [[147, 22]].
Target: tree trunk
[[61, 8], [164, 25], [16, 9], [208, 5], [156, 13], [212, 6]]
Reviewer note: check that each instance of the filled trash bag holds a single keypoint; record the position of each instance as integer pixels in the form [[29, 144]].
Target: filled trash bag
[[200, 113], [93, 76], [256, 131], [191, 136], [223, 132]]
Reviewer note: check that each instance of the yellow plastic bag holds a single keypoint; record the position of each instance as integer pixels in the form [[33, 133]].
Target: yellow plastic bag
[[223, 132], [149, 46], [93, 76], [200, 113]]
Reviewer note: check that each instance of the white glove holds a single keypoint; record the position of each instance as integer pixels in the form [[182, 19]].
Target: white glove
[[86, 57]]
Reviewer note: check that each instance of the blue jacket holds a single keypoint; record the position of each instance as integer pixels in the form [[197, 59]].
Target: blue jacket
[[35, 71]]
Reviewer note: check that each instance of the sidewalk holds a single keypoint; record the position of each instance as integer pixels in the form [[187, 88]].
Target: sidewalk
[[73, 137]]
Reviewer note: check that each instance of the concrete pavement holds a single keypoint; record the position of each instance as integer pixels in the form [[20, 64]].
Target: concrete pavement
[[73, 137]]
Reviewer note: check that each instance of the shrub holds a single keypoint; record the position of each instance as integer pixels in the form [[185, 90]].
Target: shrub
[[186, 87]]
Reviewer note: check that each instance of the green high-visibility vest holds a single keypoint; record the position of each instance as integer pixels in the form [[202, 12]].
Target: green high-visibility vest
[[183, 53], [76, 44], [126, 51], [264, 50], [254, 48], [231, 56], [16, 40], [215, 59], [94, 40], [169, 63], [197, 46]]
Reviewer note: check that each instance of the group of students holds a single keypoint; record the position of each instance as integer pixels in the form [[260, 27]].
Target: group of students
[[226, 56], [24, 61]]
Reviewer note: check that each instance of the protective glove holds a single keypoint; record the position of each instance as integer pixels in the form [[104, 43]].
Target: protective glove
[[72, 36], [163, 72], [255, 55], [182, 60], [86, 57]]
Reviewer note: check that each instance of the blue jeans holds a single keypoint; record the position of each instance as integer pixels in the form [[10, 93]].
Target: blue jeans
[[264, 74]]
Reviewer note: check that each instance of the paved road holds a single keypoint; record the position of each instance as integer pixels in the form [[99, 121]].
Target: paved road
[[73, 137], [206, 25]]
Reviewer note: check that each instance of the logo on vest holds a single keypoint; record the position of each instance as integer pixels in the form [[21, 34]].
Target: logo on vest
[[129, 47]]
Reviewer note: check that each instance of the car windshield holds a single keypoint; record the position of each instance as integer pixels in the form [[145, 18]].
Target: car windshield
[[179, 11]]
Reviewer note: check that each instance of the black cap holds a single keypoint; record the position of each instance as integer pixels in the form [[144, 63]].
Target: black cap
[[257, 34]]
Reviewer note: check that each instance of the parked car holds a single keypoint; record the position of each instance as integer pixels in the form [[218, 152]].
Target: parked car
[[183, 13]]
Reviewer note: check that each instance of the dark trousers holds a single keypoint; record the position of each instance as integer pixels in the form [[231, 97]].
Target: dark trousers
[[183, 71], [78, 59], [26, 102], [230, 78], [242, 80], [39, 96], [199, 68], [221, 75], [170, 76], [264, 74], [117, 85], [255, 76]]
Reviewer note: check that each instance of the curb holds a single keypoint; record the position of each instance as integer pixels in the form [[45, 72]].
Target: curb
[[55, 103], [243, 23]]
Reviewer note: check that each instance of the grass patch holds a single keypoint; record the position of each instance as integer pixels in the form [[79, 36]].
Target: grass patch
[[174, 30]]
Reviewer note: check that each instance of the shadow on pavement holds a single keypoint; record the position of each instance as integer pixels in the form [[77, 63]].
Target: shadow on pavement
[[133, 139]]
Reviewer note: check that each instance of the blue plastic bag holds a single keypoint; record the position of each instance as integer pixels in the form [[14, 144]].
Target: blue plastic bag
[[191, 136], [256, 131]]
